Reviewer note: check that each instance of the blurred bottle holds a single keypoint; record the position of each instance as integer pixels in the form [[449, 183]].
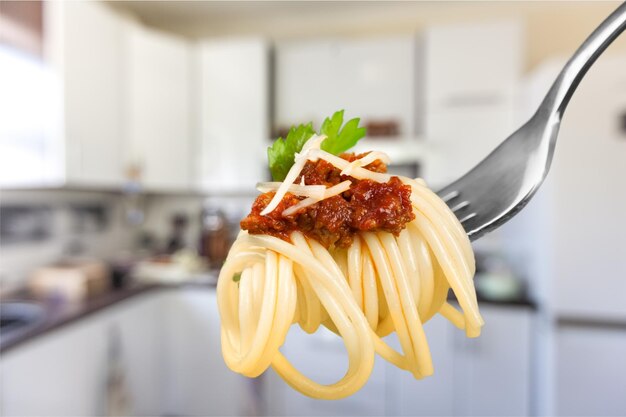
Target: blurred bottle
[[176, 240], [214, 237]]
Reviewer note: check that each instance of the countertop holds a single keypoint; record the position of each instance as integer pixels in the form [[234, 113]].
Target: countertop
[[60, 314]]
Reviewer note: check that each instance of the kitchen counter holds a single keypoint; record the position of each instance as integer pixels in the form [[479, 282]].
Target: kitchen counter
[[521, 301], [57, 314]]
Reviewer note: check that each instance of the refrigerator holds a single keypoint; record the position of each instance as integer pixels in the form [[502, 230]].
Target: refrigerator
[[574, 239]]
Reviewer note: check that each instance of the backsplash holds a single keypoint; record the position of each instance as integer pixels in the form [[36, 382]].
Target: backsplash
[[40, 227]]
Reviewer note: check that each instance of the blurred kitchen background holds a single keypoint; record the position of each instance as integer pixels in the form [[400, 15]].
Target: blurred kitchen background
[[131, 138]]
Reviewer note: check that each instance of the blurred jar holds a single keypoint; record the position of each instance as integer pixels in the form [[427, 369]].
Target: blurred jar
[[214, 237]]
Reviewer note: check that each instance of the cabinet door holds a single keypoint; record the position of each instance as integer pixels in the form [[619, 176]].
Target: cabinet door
[[234, 115], [199, 383], [462, 136], [322, 357], [431, 396], [61, 374], [471, 75], [590, 371], [66, 372], [92, 72], [373, 79], [158, 119], [141, 335], [492, 372], [472, 62]]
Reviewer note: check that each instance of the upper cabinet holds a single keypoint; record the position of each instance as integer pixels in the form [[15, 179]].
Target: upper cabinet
[[374, 79], [158, 117], [233, 120], [63, 113], [108, 96], [472, 63], [471, 75], [92, 72]]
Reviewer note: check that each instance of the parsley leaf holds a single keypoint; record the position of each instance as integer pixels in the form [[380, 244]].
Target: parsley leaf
[[282, 153], [340, 139], [237, 277]]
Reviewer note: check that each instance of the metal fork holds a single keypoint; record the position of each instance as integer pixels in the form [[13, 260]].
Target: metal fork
[[504, 182]]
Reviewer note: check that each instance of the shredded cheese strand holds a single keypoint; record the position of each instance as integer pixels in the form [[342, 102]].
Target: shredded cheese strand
[[357, 172], [330, 192], [314, 191], [366, 160]]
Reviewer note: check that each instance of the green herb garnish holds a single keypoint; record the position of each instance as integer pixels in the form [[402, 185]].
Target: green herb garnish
[[237, 277], [340, 139], [282, 153]]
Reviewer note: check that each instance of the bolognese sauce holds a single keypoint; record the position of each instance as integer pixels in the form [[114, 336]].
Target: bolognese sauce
[[368, 206]]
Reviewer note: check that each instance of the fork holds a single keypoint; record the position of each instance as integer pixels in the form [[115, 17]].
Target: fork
[[501, 185]]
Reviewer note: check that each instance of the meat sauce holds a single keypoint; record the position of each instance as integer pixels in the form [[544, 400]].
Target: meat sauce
[[368, 206]]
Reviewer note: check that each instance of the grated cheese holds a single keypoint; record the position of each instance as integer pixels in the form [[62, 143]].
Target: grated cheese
[[357, 172], [364, 161], [330, 192], [313, 191]]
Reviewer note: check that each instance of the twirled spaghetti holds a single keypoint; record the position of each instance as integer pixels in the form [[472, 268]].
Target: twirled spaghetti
[[381, 283]]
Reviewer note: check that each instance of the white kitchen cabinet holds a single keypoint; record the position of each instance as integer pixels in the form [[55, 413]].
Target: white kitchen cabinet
[[114, 95], [472, 73], [590, 371], [434, 395], [489, 375], [485, 376], [234, 116], [73, 135], [374, 79], [473, 62], [322, 357], [61, 374], [198, 381], [492, 373], [65, 373], [141, 331], [460, 137], [93, 79], [158, 108]]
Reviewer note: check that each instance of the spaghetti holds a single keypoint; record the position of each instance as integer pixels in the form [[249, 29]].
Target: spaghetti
[[363, 286]]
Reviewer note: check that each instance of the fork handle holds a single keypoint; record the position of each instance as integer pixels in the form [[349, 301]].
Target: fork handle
[[561, 91]]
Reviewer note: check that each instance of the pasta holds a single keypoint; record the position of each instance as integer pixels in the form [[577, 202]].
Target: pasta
[[381, 283]]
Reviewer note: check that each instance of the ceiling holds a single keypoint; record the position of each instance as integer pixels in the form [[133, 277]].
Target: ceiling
[[552, 27], [183, 11]]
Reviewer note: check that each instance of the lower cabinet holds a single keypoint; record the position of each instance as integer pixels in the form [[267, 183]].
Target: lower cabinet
[[590, 370], [44, 378], [434, 395], [198, 381], [489, 375], [492, 375], [322, 357], [168, 346], [65, 373], [167, 343]]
